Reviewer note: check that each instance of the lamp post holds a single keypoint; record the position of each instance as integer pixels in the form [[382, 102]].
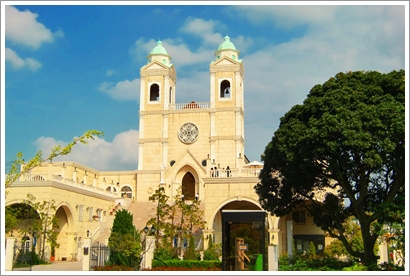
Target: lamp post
[[150, 244], [147, 230]]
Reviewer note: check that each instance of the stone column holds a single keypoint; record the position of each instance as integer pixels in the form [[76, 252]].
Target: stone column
[[289, 234], [149, 251], [10, 241], [86, 254], [273, 260]]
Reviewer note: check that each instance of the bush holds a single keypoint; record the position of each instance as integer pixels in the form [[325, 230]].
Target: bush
[[113, 268], [175, 265], [302, 263], [213, 252], [164, 254], [355, 267]]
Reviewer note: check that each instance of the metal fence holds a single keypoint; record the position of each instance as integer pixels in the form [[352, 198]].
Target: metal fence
[[99, 256]]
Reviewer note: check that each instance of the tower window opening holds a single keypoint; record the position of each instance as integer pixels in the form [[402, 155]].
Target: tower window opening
[[154, 93], [225, 89]]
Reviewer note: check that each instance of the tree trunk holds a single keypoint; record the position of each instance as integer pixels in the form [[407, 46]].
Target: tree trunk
[[369, 258]]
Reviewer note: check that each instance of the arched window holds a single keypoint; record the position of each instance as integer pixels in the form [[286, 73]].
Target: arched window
[[225, 89], [188, 186], [111, 189], [154, 93], [126, 191]]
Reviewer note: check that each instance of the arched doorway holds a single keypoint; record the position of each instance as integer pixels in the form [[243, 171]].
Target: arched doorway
[[243, 240], [188, 186]]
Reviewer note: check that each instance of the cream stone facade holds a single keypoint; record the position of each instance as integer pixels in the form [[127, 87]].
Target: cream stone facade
[[186, 146]]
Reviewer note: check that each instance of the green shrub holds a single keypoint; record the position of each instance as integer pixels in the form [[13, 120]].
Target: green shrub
[[164, 253], [299, 262], [213, 252], [113, 268], [187, 264], [355, 267]]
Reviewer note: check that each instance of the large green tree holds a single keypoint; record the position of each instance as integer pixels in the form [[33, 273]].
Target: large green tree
[[348, 137]]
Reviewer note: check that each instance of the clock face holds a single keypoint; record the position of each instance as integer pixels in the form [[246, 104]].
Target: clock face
[[188, 133]]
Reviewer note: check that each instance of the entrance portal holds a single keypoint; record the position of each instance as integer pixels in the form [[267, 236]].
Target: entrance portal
[[243, 240]]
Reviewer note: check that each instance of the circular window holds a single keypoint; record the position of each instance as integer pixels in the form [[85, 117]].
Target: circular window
[[188, 133]]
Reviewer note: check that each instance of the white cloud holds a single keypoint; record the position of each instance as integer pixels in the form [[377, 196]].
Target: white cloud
[[22, 27], [17, 62], [204, 29], [123, 90], [120, 154]]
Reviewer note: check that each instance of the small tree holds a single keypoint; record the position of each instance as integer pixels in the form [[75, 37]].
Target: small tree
[[175, 219], [213, 252], [125, 241], [312, 250], [40, 217], [190, 253]]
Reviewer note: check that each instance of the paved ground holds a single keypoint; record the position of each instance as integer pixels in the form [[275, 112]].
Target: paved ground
[[56, 266]]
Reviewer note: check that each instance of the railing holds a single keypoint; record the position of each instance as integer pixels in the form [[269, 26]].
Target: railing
[[235, 173], [191, 105], [71, 182]]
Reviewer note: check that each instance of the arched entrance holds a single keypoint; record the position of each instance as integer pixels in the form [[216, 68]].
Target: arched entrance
[[243, 240], [244, 204], [188, 186]]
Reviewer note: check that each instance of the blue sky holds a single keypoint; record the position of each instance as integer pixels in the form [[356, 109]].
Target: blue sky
[[70, 67]]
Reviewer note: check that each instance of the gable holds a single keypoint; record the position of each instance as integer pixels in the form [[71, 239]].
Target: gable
[[187, 158], [155, 65], [225, 61]]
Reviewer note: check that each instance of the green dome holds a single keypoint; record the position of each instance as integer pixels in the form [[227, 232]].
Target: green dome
[[227, 44], [159, 49]]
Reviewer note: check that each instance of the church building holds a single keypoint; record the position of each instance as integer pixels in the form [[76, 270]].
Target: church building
[[195, 147]]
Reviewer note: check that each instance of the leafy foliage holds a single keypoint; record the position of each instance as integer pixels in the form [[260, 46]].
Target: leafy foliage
[[124, 241], [39, 216], [213, 252], [175, 219], [345, 142], [177, 265]]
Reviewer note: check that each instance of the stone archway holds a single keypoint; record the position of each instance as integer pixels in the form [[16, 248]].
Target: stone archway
[[67, 238], [215, 221]]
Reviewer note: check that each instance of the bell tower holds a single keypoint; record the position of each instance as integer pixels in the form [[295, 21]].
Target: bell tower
[[227, 102], [157, 94]]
